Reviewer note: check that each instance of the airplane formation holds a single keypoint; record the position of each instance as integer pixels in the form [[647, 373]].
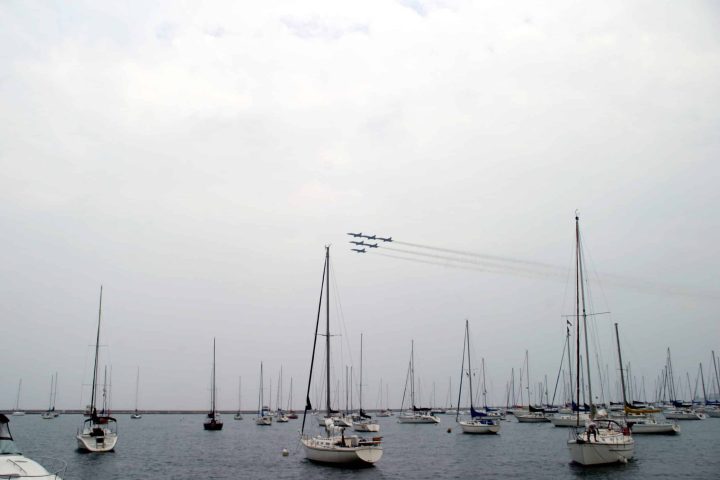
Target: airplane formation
[[362, 243]]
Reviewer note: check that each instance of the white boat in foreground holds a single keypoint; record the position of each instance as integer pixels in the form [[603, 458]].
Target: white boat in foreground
[[612, 443], [13, 464], [602, 441], [333, 446]]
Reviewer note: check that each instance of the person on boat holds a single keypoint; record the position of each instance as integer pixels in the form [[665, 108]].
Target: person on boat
[[592, 430]]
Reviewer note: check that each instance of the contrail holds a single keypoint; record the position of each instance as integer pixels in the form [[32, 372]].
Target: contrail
[[514, 266], [447, 264], [480, 255], [495, 265]]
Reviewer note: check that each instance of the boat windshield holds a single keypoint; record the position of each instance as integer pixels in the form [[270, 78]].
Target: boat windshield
[[7, 446]]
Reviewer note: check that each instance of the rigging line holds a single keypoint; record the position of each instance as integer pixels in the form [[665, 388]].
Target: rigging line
[[341, 315]]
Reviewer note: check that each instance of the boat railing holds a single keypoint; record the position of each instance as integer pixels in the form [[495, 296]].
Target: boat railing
[[56, 468]]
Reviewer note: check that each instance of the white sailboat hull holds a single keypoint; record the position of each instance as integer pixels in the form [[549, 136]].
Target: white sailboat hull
[[600, 453], [366, 427], [684, 415], [264, 421], [479, 427], [331, 450], [418, 419], [656, 428], [532, 418], [97, 443], [342, 422], [564, 420]]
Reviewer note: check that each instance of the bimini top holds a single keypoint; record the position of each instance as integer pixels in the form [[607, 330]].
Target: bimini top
[[7, 445]]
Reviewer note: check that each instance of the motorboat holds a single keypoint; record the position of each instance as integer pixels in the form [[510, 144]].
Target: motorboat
[[13, 464]]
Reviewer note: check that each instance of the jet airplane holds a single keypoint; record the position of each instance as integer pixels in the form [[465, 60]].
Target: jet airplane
[[357, 243], [389, 239], [369, 237], [358, 250], [371, 245], [356, 235]]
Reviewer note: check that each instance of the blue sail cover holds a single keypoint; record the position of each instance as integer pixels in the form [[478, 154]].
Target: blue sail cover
[[475, 414]]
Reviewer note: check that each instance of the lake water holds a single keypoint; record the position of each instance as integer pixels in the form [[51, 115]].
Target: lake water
[[176, 447]]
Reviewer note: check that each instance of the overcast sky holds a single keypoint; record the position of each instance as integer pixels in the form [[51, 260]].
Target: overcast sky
[[196, 158]]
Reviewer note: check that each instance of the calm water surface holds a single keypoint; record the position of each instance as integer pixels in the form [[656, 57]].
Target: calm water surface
[[177, 447]]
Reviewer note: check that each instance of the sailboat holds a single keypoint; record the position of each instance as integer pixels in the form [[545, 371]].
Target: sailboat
[[534, 414], [415, 415], [213, 420], [385, 412], [17, 412], [602, 440], [99, 430], [13, 464], [290, 412], [238, 415], [136, 415], [280, 416], [263, 418], [479, 421], [51, 413], [334, 447], [362, 422]]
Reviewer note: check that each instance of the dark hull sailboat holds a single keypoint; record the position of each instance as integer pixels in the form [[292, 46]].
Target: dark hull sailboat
[[213, 420]]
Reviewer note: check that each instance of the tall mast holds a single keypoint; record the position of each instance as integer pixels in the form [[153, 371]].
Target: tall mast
[[327, 328], [212, 393], [17, 400], [260, 393], [97, 351], [361, 377], [308, 405], [484, 387], [527, 376], [702, 378], [462, 374], [137, 387], [577, 317], [55, 391], [622, 374], [467, 339], [412, 373], [584, 314], [717, 377], [52, 382]]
